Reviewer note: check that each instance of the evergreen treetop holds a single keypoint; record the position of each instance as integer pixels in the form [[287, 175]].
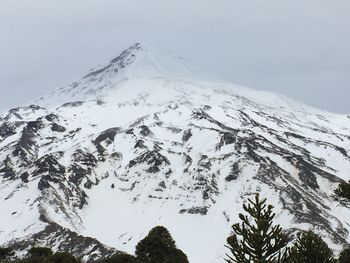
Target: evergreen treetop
[[159, 247], [310, 248], [343, 191], [256, 239]]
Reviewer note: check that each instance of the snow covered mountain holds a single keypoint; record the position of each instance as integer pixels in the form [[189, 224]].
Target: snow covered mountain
[[150, 140]]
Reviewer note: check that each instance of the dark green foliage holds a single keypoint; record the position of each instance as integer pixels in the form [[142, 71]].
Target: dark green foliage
[[256, 239], [45, 255], [120, 258], [310, 248], [158, 246], [62, 257], [344, 256], [5, 253], [179, 256], [40, 252], [343, 190]]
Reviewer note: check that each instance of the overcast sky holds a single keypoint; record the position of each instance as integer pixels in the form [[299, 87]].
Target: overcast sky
[[300, 48]]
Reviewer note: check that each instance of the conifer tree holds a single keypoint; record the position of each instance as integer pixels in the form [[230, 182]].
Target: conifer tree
[[61, 257], [120, 258], [343, 191], [344, 256], [256, 240], [40, 252], [5, 253], [159, 247], [310, 248]]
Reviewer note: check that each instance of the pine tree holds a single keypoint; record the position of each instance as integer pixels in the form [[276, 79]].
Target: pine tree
[[40, 252], [5, 253], [256, 239], [343, 191], [158, 246], [310, 248], [61, 257], [344, 256], [120, 258]]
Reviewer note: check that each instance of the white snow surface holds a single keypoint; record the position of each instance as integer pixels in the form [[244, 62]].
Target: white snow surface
[[153, 98]]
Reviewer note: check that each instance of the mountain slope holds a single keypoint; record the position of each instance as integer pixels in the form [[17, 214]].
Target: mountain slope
[[147, 140]]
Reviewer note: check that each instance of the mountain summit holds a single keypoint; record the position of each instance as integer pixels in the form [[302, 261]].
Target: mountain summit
[[147, 140], [136, 62]]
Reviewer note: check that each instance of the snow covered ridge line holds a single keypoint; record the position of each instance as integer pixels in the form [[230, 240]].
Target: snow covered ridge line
[[146, 138]]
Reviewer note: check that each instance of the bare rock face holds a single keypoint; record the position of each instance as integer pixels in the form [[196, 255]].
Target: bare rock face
[[100, 162]]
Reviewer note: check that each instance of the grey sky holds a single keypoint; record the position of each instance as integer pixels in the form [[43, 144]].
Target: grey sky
[[300, 48]]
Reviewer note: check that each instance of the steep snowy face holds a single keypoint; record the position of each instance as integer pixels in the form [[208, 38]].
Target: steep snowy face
[[136, 62], [147, 140]]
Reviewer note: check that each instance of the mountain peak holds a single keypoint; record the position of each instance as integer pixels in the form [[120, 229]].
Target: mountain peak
[[144, 137], [126, 58], [136, 62], [148, 61]]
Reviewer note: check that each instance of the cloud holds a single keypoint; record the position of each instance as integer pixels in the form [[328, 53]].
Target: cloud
[[298, 47]]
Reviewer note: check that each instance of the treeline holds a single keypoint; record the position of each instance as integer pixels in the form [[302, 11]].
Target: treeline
[[158, 246], [255, 239]]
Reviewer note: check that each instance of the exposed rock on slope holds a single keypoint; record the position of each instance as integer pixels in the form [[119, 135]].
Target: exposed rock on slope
[[146, 140]]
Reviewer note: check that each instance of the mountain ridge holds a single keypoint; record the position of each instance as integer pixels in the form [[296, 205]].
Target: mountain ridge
[[172, 149]]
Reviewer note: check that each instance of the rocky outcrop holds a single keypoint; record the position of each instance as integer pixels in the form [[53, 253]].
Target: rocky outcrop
[[63, 240]]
